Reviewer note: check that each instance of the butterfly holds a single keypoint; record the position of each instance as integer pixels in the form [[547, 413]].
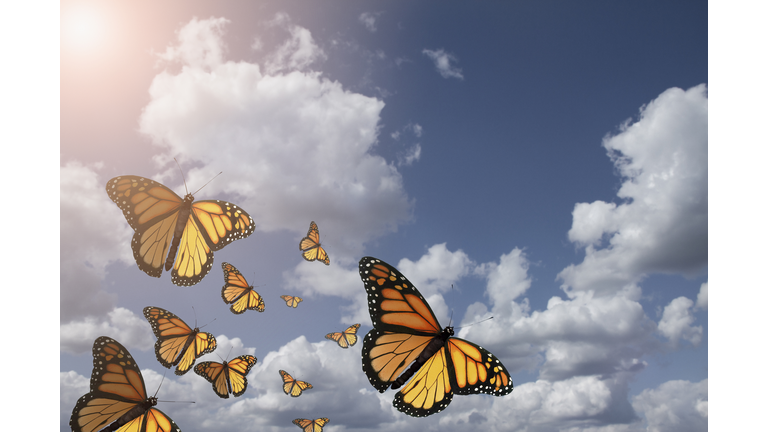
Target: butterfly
[[227, 377], [238, 293], [291, 301], [165, 224], [292, 386], [310, 246], [177, 344], [405, 330], [118, 396], [347, 338], [315, 425]]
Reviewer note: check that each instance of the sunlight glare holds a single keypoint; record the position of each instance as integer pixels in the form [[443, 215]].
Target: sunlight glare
[[83, 28]]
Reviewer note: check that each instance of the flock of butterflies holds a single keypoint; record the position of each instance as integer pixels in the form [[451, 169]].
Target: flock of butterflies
[[181, 234]]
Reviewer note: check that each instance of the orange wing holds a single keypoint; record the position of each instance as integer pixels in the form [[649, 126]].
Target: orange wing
[[177, 344], [405, 331], [310, 246], [227, 377], [291, 301], [164, 224], [238, 293], [118, 396], [293, 387], [347, 338], [315, 425]]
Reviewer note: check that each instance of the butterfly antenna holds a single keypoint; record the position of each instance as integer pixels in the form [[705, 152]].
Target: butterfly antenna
[[182, 175], [489, 318], [158, 387], [208, 182]]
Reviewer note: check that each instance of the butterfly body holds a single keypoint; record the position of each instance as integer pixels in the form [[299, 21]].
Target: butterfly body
[[174, 233], [311, 248], [227, 377], [238, 292], [177, 344], [118, 398], [293, 387], [406, 332]]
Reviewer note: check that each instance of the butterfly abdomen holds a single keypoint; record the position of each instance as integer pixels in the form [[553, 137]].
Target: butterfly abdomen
[[432, 347], [132, 414], [181, 222]]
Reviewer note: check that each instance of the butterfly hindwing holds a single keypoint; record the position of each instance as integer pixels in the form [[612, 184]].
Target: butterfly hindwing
[[238, 293], [406, 331], [118, 396], [311, 248], [177, 344], [293, 387], [174, 231], [345, 339], [227, 377]]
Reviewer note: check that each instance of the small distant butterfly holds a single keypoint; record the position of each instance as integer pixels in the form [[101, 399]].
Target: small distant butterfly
[[165, 224], [292, 386], [406, 331], [238, 293], [227, 377], [310, 246], [315, 425], [118, 398], [347, 338], [291, 301], [177, 343]]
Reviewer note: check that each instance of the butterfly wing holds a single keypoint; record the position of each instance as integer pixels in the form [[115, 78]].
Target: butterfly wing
[[212, 224], [237, 371], [227, 377], [310, 246], [293, 386], [152, 210], [177, 344], [291, 301], [315, 425], [346, 338], [238, 293], [215, 373], [117, 388]]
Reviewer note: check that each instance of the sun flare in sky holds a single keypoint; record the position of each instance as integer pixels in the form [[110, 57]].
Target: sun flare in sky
[[83, 28]]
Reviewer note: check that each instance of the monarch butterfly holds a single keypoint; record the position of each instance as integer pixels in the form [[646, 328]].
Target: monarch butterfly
[[405, 329], [347, 338], [177, 344], [227, 377], [310, 246], [315, 425], [164, 223], [238, 293], [291, 301], [292, 386], [118, 396]]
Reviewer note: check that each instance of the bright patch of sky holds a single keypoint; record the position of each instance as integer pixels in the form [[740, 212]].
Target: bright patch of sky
[[546, 166]]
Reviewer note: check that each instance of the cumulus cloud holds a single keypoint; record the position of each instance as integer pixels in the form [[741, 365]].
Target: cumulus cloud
[[84, 258], [676, 322], [198, 44], [701, 299], [661, 223], [296, 53], [291, 145], [130, 329], [675, 405], [443, 63]]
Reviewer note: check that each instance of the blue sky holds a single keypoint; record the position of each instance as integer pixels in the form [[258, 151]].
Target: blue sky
[[549, 161]]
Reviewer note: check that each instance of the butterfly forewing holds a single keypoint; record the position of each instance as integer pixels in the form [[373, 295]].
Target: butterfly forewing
[[177, 344]]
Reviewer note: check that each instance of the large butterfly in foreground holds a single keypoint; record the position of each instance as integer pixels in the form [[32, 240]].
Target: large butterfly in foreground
[[310, 246], [405, 330], [177, 343], [165, 223], [227, 377], [118, 399], [315, 425], [238, 293], [293, 386], [347, 338]]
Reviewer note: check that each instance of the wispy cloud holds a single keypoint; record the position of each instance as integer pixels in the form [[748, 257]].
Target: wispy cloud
[[368, 19], [443, 63]]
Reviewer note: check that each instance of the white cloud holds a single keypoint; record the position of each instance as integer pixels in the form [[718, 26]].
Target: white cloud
[[701, 299], [89, 241], [120, 323], [674, 406], [411, 155], [199, 45], [296, 53], [294, 147], [368, 19], [676, 322], [661, 225], [443, 64]]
